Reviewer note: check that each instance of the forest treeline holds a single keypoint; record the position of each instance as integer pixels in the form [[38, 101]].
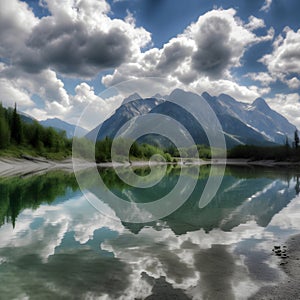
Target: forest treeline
[[277, 153], [18, 136], [103, 150], [137, 151]]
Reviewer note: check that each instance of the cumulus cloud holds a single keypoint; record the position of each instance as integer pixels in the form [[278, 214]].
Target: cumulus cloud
[[11, 94], [77, 39], [220, 42], [263, 77], [13, 31], [255, 23], [46, 85], [293, 83], [172, 55], [98, 108], [213, 48], [205, 52], [285, 58], [267, 5], [235, 90], [72, 50], [288, 105]]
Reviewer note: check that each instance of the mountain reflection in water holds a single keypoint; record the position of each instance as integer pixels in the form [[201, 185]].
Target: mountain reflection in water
[[55, 245]]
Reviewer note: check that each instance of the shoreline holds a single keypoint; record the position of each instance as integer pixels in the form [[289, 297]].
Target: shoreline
[[37, 165], [289, 288]]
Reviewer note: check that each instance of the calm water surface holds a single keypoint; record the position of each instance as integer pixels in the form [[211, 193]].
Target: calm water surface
[[55, 245]]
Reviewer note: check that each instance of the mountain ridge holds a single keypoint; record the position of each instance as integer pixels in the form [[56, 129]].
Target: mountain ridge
[[122, 114], [258, 115], [61, 125], [243, 123]]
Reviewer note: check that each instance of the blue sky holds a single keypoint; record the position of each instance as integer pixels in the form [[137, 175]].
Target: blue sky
[[56, 56]]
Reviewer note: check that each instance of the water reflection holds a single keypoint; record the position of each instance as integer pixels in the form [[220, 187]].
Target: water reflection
[[62, 248], [18, 193], [297, 186]]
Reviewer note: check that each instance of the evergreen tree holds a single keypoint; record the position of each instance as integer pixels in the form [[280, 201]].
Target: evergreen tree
[[4, 129], [296, 139], [16, 127], [287, 145]]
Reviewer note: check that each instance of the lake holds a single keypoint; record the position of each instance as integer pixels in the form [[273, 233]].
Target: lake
[[55, 245]]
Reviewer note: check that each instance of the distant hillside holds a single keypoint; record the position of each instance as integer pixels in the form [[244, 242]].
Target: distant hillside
[[64, 126], [26, 118]]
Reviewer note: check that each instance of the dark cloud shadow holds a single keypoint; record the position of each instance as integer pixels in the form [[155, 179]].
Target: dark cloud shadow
[[217, 268], [65, 274], [162, 290]]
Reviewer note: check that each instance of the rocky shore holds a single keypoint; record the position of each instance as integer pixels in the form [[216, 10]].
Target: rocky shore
[[28, 165], [288, 289]]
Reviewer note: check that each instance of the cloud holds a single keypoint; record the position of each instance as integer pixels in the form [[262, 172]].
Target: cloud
[[263, 77], [267, 5], [235, 90], [293, 83], [73, 50], [214, 52], [285, 58], [221, 40], [205, 51], [85, 98], [46, 85], [13, 32], [74, 9], [255, 23], [288, 105], [37, 113], [98, 108], [172, 55], [78, 39], [11, 94]]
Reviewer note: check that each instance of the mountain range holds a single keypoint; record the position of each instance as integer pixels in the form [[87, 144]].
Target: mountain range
[[124, 113], [61, 125], [242, 123], [57, 124]]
